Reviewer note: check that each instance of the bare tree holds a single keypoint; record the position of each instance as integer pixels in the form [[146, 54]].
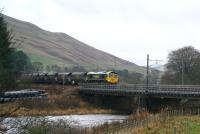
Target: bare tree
[[183, 67]]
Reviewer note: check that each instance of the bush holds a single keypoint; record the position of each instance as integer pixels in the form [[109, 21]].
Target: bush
[[47, 127]]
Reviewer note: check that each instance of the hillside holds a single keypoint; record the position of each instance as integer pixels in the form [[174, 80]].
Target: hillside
[[62, 49]]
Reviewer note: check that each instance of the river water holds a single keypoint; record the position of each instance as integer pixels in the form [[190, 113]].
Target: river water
[[89, 120], [82, 121]]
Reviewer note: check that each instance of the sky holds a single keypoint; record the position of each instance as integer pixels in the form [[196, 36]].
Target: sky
[[129, 29]]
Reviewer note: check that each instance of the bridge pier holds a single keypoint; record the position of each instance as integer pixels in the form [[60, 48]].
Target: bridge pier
[[139, 104], [157, 104], [128, 104], [190, 103]]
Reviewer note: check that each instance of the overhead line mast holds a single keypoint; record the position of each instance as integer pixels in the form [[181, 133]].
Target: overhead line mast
[[147, 76]]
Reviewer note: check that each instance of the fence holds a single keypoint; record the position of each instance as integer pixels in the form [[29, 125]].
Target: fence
[[132, 126]]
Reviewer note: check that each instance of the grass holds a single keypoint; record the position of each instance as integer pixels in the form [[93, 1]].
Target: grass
[[60, 101], [45, 60], [56, 112], [173, 125], [194, 127]]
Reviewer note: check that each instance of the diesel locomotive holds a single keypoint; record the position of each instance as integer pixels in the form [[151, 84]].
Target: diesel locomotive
[[102, 77]]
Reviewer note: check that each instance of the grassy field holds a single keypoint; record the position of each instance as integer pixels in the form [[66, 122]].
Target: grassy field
[[173, 125]]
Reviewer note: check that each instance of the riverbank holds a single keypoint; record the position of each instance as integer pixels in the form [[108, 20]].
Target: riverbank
[[58, 112], [78, 124], [180, 124], [61, 100]]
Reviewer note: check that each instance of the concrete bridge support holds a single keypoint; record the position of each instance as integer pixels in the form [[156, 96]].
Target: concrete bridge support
[[129, 104], [119, 103], [156, 104]]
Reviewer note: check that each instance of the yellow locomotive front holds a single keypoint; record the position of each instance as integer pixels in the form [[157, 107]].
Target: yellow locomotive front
[[102, 77], [112, 77]]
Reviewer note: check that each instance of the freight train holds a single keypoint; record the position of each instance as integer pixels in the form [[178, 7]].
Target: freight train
[[73, 78]]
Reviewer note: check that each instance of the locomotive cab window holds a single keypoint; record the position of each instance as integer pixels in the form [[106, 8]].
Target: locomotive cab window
[[96, 76]]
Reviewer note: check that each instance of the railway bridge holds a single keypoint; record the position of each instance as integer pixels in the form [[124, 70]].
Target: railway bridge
[[144, 94], [164, 91]]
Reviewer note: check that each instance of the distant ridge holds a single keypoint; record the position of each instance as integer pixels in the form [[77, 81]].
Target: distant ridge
[[62, 49]]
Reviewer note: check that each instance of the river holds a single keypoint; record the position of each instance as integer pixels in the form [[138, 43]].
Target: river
[[81, 121]]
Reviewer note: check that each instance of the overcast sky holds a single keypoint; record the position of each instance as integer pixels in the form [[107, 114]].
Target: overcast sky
[[129, 29]]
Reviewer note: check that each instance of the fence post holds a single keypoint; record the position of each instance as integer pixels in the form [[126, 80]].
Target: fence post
[[174, 130]]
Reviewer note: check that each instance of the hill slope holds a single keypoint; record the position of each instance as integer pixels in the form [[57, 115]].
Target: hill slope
[[59, 48]]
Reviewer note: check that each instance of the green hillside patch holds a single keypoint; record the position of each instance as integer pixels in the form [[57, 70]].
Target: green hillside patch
[[44, 60]]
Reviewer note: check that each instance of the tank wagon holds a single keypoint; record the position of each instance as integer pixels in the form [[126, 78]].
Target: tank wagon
[[73, 78]]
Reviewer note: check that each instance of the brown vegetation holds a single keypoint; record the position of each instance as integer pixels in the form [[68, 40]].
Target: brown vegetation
[[2, 129], [179, 125], [61, 100], [139, 116], [180, 122]]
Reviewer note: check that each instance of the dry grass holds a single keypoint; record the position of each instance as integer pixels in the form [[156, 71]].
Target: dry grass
[[8, 109], [108, 127], [176, 125], [139, 116], [171, 125], [45, 112], [61, 100], [2, 129]]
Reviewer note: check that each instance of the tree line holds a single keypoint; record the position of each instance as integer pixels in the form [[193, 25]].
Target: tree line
[[38, 67]]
